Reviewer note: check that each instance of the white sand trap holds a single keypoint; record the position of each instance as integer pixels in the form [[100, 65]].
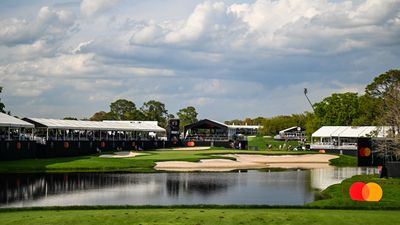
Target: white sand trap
[[249, 162], [122, 155]]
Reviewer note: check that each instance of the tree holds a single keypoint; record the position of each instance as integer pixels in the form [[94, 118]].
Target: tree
[[187, 116], [390, 116], [369, 111], [155, 111], [383, 83], [2, 106], [100, 116], [272, 126], [337, 110], [122, 109]]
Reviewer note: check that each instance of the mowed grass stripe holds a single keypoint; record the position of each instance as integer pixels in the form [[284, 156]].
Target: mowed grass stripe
[[200, 216]]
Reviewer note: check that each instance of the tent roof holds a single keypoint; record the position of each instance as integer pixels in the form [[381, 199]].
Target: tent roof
[[10, 121], [96, 125], [244, 126], [139, 125], [348, 131], [290, 129], [206, 124]]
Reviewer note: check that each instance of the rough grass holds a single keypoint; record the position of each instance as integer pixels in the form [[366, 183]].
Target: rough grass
[[262, 142], [338, 194], [344, 161], [144, 163], [199, 216]]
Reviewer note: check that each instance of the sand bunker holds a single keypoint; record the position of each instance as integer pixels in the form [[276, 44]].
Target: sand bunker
[[122, 155], [245, 161]]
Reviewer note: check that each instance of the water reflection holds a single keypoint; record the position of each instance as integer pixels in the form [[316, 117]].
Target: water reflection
[[294, 187], [323, 178]]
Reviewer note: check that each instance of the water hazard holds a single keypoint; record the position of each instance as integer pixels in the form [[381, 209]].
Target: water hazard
[[288, 187]]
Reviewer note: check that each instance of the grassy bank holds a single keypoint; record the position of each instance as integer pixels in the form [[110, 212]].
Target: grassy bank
[[143, 163], [262, 143], [344, 161], [199, 216], [338, 194]]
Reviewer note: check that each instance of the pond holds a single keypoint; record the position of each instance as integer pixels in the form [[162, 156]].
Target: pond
[[270, 187]]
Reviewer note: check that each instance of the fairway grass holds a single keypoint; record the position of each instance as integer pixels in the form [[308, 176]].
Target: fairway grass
[[143, 163], [200, 216]]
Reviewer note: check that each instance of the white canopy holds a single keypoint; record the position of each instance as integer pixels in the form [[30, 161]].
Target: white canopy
[[349, 131], [10, 121], [254, 127], [97, 125], [138, 125]]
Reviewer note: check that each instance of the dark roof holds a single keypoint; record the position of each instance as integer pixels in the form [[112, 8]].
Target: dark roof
[[206, 124]]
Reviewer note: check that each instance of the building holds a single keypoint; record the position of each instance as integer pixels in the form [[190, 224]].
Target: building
[[344, 138], [208, 132], [15, 138], [212, 130], [56, 129], [39, 137]]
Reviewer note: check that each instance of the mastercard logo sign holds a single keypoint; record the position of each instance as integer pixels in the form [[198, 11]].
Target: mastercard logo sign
[[370, 192], [364, 151]]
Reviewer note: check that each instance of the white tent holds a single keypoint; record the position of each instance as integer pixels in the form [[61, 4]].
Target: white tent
[[12, 122], [97, 125], [349, 131], [151, 126]]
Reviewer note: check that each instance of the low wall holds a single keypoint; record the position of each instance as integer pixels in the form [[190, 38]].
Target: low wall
[[338, 151], [393, 169], [78, 148], [10, 150], [225, 144]]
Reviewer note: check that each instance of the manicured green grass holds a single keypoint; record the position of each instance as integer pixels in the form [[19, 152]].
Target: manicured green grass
[[262, 142], [344, 161], [199, 216], [137, 164], [338, 194]]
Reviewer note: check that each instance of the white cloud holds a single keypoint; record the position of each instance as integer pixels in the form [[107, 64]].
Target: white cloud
[[285, 26], [49, 25], [91, 8], [81, 46], [230, 60]]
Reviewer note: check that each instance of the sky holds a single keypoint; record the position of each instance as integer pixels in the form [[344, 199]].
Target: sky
[[229, 59]]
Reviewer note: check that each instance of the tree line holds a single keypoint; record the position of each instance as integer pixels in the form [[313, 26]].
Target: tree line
[[123, 109], [380, 105]]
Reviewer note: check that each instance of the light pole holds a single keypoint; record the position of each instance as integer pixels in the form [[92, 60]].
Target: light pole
[[305, 93]]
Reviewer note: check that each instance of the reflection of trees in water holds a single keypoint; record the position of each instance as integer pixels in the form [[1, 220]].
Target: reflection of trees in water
[[15, 187], [199, 183]]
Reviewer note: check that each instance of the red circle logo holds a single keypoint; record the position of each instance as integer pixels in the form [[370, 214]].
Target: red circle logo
[[365, 152], [190, 144], [371, 192]]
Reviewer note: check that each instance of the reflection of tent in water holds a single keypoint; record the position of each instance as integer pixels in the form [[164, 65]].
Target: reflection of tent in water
[[211, 130]]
